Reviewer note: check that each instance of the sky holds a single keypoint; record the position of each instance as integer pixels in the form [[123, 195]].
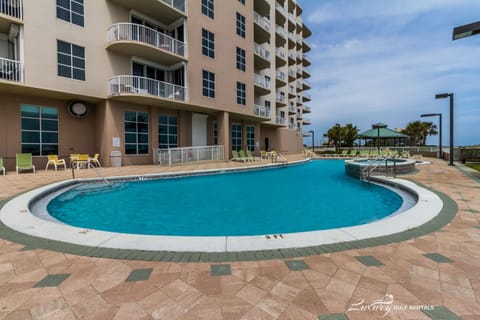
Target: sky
[[384, 61]]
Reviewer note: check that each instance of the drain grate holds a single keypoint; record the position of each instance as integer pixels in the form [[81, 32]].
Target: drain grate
[[274, 236]]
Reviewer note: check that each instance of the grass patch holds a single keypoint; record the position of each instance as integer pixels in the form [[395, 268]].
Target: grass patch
[[474, 166]]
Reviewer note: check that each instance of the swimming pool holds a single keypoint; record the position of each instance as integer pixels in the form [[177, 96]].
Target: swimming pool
[[27, 214], [314, 196]]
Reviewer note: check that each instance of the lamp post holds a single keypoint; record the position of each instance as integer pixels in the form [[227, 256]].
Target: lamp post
[[378, 126], [313, 140], [443, 96], [466, 30], [440, 149]]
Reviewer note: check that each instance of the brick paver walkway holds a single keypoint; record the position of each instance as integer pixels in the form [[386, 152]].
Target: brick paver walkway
[[439, 270]]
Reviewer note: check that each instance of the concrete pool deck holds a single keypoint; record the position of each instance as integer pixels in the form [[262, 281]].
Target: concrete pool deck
[[439, 271]]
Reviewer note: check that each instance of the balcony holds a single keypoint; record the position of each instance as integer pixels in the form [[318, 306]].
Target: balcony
[[280, 13], [262, 84], [305, 73], [299, 115], [280, 98], [307, 97], [291, 108], [306, 60], [299, 100], [262, 7], [299, 71], [292, 92], [280, 36], [11, 70], [306, 32], [307, 109], [292, 40], [299, 21], [262, 111], [281, 78], [306, 85], [306, 46], [292, 21], [11, 11], [292, 126], [261, 28], [280, 120], [292, 57], [262, 57], [280, 57], [128, 85], [165, 11], [292, 75], [141, 41], [299, 85], [307, 121]]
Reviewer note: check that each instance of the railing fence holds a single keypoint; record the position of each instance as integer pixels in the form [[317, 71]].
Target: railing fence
[[184, 155]]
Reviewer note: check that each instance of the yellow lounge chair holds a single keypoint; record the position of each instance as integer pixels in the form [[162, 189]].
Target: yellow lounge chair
[[24, 162], [53, 160], [94, 161], [1, 166]]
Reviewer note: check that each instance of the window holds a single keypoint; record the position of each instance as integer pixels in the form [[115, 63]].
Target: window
[[240, 25], [251, 138], [136, 132], [167, 131], [71, 60], [241, 93], [241, 1], [71, 11], [207, 8], [208, 84], [215, 132], [208, 43], [241, 59], [39, 130], [236, 136]]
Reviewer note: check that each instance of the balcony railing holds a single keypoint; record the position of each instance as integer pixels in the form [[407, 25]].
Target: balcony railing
[[281, 53], [306, 83], [261, 51], [280, 120], [11, 70], [292, 37], [280, 8], [12, 8], [177, 4], [307, 109], [261, 81], [261, 21], [307, 96], [291, 17], [299, 85], [291, 108], [184, 155], [128, 84], [281, 75], [292, 90], [146, 35], [292, 73], [292, 54], [307, 120], [281, 31], [292, 126], [262, 111], [280, 97]]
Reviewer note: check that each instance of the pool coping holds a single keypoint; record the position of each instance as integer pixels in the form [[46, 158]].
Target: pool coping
[[447, 209]]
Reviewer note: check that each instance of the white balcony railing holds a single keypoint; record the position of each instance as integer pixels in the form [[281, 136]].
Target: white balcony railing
[[280, 97], [280, 8], [307, 120], [261, 21], [281, 76], [12, 8], [128, 84], [281, 53], [307, 96], [299, 85], [262, 111], [146, 35], [292, 90], [291, 17], [184, 155], [291, 107], [261, 51], [281, 31], [280, 120], [307, 109], [177, 4], [11, 70], [292, 37], [292, 73], [261, 81], [306, 83], [292, 126], [292, 55]]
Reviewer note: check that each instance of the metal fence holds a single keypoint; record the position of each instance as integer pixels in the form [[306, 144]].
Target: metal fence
[[12, 8], [11, 70], [127, 84], [172, 156]]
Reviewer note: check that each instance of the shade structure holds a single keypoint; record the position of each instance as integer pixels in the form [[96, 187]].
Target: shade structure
[[380, 131]]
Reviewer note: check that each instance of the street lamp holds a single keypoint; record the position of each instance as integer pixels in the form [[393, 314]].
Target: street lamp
[[313, 140], [443, 96], [378, 126], [440, 149], [466, 30]]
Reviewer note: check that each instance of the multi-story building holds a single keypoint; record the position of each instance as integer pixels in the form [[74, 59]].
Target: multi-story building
[[137, 75]]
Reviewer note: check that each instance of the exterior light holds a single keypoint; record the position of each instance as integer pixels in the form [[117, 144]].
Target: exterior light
[[466, 30], [443, 96]]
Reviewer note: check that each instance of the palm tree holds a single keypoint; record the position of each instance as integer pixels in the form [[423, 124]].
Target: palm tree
[[429, 129], [350, 134], [418, 132], [334, 135]]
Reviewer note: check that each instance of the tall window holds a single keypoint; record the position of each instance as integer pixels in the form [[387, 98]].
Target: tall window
[[167, 131], [241, 93], [208, 84], [236, 136], [71, 11], [215, 132], [240, 25], [71, 60], [251, 138], [39, 130], [241, 59], [207, 8], [136, 132], [208, 43]]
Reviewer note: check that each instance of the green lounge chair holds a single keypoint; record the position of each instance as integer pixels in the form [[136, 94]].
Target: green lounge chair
[[344, 153], [243, 155], [353, 153], [237, 157], [405, 154], [1, 166], [373, 154], [251, 156], [363, 154], [24, 162]]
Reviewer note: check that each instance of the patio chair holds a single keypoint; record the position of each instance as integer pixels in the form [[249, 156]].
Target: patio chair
[[53, 160], [251, 156], [344, 153], [237, 157], [24, 162], [94, 161], [1, 166], [363, 154], [243, 155], [405, 154]]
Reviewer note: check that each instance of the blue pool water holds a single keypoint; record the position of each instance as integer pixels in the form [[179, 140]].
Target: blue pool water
[[314, 196]]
